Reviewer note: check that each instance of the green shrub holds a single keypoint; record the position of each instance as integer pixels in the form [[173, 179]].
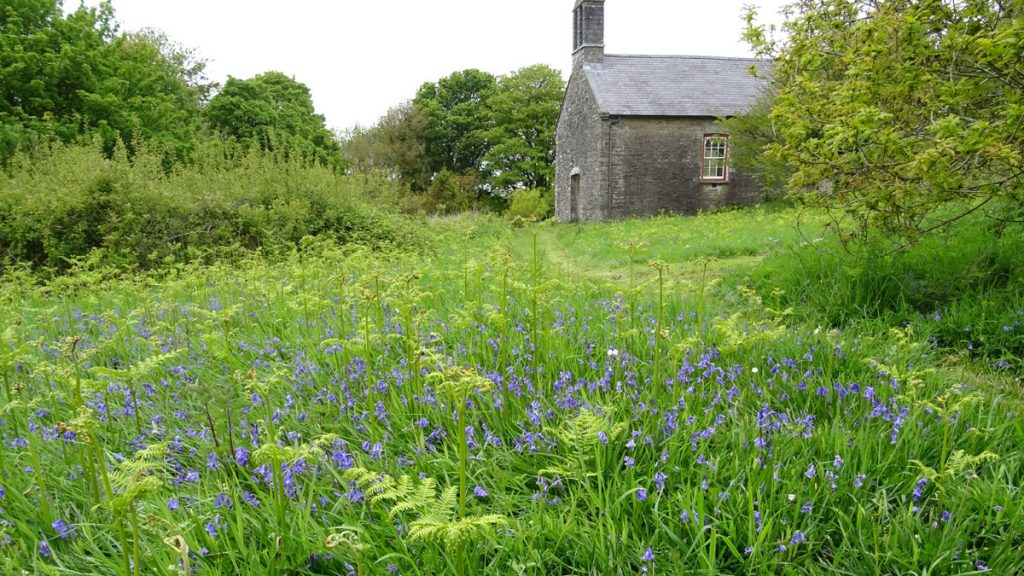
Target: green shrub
[[531, 203], [60, 205]]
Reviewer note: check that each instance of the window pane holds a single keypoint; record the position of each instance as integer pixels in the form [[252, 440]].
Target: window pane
[[715, 154]]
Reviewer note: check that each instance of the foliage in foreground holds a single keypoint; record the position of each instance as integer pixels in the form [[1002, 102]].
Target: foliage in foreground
[[475, 414], [887, 110]]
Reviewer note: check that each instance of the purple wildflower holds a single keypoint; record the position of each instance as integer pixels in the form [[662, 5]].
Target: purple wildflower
[[797, 538], [251, 499], [222, 501], [659, 481], [648, 555], [919, 489], [44, 549], [211, 526], [64, 530], [479, 492], [641, 494]]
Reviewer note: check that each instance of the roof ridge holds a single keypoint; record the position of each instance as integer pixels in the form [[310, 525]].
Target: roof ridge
[[687, 57]]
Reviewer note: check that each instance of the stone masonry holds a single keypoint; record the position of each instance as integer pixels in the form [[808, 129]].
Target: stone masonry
[[631, 131]]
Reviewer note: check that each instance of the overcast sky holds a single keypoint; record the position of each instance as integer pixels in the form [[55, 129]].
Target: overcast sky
[[361, 57]]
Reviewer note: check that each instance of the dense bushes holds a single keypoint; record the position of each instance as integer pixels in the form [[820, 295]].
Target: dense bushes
[[69, 201], [531, 203]]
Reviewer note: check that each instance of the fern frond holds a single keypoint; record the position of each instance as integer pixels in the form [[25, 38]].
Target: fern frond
[[419, 500], [454, 533], [389, 490]]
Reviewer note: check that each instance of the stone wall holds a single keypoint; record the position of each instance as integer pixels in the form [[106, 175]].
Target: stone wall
[[580, 144], [655, 166], [636, 166]]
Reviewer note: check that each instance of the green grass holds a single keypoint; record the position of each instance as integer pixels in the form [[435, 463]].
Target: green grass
[[516, 402]]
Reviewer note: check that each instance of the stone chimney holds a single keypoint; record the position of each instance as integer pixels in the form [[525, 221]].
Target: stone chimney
[[588, 33]]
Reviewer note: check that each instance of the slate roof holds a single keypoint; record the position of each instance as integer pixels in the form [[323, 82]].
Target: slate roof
[[675, 85]]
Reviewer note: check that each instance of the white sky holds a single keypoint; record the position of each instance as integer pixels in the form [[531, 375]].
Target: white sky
[[361, 57]]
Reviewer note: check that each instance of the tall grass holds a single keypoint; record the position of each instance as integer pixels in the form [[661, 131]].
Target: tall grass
[[962, 286], [475, 411]]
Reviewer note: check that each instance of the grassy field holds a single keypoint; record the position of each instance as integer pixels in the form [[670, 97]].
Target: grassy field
[[655, 397]]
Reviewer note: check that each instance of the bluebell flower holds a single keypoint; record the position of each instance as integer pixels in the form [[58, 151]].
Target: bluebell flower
[[222, 501], [173, 504], [812, 470], [648, 555], [797, 538], [919, 489], [251, 499], [641, 494], [981, 566], [659, 480], [211, 526], [479, 492], [44, 549], [603, 437], [807, 508], [64, 530]]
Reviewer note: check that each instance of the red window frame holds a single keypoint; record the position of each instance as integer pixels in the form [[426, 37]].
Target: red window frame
[[722, 161]]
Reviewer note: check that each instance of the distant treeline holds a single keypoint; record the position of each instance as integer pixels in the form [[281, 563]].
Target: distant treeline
[[470, 140]]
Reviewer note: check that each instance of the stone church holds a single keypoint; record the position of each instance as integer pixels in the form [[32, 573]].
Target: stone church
[[638, 135]]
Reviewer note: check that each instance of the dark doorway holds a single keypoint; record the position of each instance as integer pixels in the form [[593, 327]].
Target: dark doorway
[[574, 198]]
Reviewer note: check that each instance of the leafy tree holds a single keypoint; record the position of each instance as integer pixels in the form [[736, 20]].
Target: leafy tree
[[523, 111], [144, 94], [455, 110], [394, 146], [69, 76], [275, 113], [891, 111]]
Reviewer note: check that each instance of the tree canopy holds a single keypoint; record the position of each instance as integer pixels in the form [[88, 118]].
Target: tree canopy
[[521, 135], [493, 134], [455, 109], [274, 112], [887, 110], [69, 76], [76, 75]]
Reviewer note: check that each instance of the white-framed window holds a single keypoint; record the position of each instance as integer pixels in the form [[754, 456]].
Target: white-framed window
[[715, 158]]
